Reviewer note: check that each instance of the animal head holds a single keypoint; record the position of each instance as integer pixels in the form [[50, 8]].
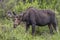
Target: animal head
[[16, 18]]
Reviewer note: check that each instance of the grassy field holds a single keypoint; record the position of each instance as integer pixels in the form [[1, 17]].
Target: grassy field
[[7, 32]]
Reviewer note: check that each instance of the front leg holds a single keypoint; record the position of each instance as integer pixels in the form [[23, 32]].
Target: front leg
[[33, 29], [27, 27]]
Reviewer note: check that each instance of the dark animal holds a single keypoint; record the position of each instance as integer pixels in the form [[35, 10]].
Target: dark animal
[[33, 16]]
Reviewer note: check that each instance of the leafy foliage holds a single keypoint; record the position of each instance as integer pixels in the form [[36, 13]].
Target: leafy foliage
[[7, 32], [21, 5]]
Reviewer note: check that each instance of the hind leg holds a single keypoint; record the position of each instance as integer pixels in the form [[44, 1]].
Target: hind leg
[[50, 27], [55, 27], [54, 23]]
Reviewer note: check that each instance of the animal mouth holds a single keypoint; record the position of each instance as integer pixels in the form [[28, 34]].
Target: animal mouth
[[14, 26]]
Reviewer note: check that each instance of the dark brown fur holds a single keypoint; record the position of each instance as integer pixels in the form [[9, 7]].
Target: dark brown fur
[[33, 16]]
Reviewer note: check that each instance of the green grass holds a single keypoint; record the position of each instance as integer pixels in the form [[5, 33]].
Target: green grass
[[7, 32]]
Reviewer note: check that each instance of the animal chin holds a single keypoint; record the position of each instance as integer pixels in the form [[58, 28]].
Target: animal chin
[[14, 26]]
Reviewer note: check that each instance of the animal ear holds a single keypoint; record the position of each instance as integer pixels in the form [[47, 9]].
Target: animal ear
[[9, 14], [14, 13], [21, 14]]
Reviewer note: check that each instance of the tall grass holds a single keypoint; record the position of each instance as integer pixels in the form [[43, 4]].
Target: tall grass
[[7, 32]]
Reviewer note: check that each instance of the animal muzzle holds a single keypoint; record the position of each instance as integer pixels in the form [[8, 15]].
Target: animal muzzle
[[14, 25]]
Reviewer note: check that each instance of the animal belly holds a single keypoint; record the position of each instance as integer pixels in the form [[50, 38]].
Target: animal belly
[[42, 22]]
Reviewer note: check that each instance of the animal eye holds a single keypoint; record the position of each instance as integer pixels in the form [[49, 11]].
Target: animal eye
[[18, 19], [14, 19]]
